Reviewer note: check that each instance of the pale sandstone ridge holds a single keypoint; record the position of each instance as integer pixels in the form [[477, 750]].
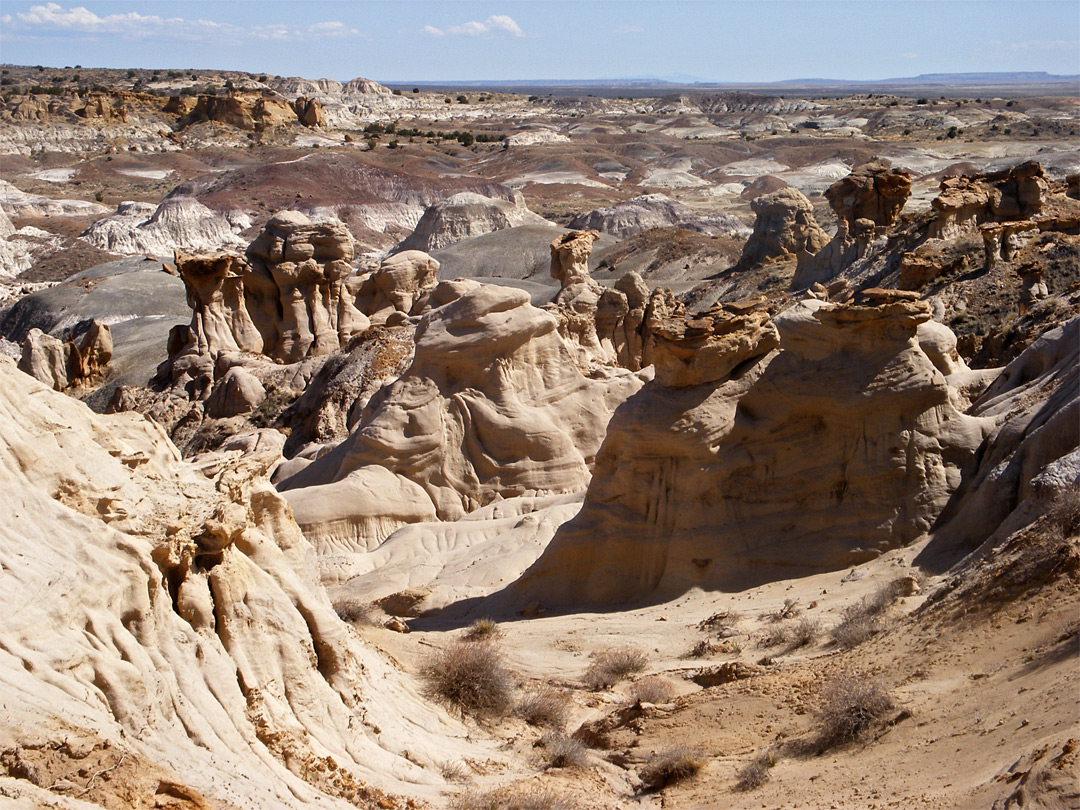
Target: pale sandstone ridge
[[493, 406], [466, 215], [61, 364], [840, 445], [183, 629]]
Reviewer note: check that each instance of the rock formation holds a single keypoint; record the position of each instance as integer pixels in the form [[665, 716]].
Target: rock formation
[[309, 112], [784, 228], [493, 406], [576, 305], [639, 214], [465, 215], [401, 284], [251, 112], [179, 223], [965, 202], [867, 203], [61, 364], [169, 631], [744, 468], [872, 191]]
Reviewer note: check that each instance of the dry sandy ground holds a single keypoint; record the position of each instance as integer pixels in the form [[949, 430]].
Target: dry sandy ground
[[981, 684]]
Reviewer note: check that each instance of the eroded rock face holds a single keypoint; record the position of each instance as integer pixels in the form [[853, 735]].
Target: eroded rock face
[[247, 111], [61, 364], [493, 406], [401, 284], [784, 228], [838, 446], [465, 215], [639, 214], [967, 201], [873, 191], [179, 223], [189, 620], [298, 269]]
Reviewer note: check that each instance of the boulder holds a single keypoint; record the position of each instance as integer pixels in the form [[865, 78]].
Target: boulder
[[401, 284], [237, 392]]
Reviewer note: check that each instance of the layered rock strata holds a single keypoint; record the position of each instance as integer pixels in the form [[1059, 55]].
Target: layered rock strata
[[759, 462], [493, 406]]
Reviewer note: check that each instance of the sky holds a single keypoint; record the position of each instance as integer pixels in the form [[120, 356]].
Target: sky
[[683, 40]]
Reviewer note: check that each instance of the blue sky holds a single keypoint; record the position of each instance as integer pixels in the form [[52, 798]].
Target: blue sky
[[541, 39]]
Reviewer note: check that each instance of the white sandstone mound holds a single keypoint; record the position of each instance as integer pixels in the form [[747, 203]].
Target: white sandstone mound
[[466, 215], [15, 202], [179, 223], [164, 619], [639, 214], [493, 406]]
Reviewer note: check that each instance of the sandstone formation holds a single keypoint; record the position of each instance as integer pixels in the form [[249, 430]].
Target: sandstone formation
[[872, 191], [867, 203], [309, 112], [60, 364], [721, 481], [966, 202], [465, 215], [493, 406], [169, 631], [251, 112], [400, 285], [784, 228], [639, 214], [179, 223]]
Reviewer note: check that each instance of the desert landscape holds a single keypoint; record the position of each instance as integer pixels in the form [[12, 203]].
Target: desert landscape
[[511, 446]]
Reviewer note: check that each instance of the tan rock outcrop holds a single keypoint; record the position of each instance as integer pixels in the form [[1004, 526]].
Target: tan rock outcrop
[[61, 364], [401, 284], [872, 191], [784, 228], [493, 406], [579, 296], [309, 112], [839, 446], [966, 202], [248, 111]]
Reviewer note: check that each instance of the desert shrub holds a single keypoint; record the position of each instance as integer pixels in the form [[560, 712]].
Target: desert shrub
[[790, 610], [611, 666], [355, 612], [756, 773], [866, 618], [720, 620], [1064, 513], [803, 633], [563, 751], [470, 677], [671, 765], [533, 798], [454, 771], [544, 706], [652, 689], [482, 630], [851, 706]]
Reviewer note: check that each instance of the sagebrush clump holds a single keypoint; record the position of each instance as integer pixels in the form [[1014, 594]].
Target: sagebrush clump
[[852, 705], [611, 666], [671, 765], [652, 689], [544, 706], [470, 677]]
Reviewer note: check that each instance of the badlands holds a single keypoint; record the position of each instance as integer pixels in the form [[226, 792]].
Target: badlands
[[391, 448]]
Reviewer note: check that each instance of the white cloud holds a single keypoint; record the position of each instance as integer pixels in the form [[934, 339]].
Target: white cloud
[[909, 55], [52, 17], [495, 24]]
